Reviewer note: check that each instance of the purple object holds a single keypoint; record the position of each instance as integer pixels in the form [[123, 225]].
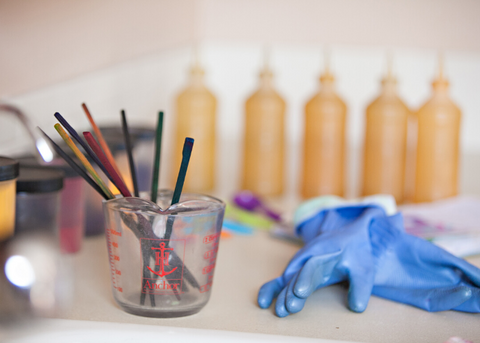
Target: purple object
[[250, 202]]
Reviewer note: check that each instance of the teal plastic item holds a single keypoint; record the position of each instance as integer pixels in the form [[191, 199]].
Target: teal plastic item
[[235, 227]]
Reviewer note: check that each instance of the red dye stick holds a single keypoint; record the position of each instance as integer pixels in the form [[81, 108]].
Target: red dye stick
[[108, 166]]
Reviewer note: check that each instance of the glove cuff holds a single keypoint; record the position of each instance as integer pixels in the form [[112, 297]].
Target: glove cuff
[[312, 207]]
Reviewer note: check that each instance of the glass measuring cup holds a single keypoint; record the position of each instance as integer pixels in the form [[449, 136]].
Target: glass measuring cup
[[162, 261]]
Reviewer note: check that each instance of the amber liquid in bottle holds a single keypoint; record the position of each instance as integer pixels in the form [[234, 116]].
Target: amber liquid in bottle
[[263, 156], [324, 142], [196, 118], [385, 143], [437, 145]]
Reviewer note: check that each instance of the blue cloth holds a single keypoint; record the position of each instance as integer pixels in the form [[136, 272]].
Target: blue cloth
[[363, 245]]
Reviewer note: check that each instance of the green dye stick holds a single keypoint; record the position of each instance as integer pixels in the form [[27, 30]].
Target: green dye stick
[[156, 165]]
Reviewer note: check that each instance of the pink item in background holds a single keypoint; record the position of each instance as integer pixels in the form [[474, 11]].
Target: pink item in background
[[453, 223], [457, 340], [72, 215]]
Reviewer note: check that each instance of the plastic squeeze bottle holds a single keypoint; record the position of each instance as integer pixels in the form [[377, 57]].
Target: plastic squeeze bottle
[[196, 118], [263, 156], [324, 141], [437, 144], [386, 142]]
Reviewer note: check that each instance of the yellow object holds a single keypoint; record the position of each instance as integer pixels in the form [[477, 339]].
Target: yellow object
[[437, 145], [263, 155], [7, 208], [385, 142], [9, 171], [324, 141], [253, 219], [196, 118]]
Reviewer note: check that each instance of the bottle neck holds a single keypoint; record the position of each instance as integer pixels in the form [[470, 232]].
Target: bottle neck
[[440, 87], [196, 76], [389, 86], [266, 79], [327, 82]]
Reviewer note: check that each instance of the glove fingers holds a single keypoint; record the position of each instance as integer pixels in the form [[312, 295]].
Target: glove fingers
[[432, 300], [472, 304], [360, 289], [315, 274], [269, 291], [280, 308], [293, 304]]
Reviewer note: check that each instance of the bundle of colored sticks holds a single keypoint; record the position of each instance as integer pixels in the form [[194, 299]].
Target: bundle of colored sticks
[[99, 152]]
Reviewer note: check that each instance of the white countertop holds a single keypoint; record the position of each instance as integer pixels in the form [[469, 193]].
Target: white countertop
[[244, 263]]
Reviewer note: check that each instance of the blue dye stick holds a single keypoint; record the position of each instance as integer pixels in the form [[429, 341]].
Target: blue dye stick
[[187, 151]]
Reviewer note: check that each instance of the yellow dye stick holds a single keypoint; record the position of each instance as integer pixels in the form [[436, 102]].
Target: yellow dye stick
[[84, 160]]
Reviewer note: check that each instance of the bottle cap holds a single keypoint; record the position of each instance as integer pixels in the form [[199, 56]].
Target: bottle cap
[[389, 79], [196, 69], [9, 168], [440, 82], [39, 180], [327, 76], [266, 72]]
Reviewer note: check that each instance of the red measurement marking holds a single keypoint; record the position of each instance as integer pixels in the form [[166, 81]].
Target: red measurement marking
[[118, 272], [115, 233], [210, 238], [210, 254], [210, 278], [112, 265], [208, 269], [115, 245], [120, 289], [116, 258], [205, 288]]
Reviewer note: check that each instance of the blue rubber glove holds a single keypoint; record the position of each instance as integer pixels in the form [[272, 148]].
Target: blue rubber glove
[[337, 248], [414, 271], [363, 245]]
